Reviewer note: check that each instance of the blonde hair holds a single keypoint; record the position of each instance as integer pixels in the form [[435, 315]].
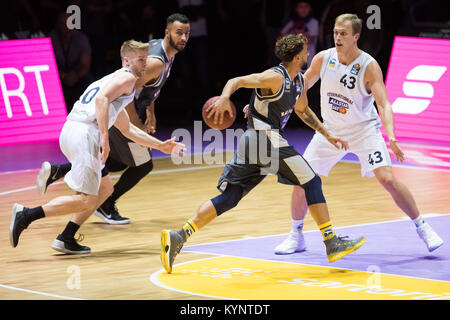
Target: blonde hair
[[130, 46], [356, 22]]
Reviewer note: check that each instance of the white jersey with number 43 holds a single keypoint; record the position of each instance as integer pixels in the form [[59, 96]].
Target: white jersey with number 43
[[345, 104], [84, 108]]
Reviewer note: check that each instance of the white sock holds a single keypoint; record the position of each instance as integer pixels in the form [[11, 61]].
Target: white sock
[[297, 226], [419, 221]]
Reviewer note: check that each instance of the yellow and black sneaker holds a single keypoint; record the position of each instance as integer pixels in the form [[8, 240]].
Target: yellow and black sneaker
[[339, 247], [171, 244]]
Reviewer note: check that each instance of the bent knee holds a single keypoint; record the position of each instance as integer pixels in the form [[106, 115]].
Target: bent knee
[[228, 199], [88, 202], [387, 180]]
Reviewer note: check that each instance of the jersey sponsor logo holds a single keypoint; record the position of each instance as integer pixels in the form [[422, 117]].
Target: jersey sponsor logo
[[297, 85], [287, 84], [332, 63], [340, 96], [338, 105], [285, 117], [287, 112], [355, 69]]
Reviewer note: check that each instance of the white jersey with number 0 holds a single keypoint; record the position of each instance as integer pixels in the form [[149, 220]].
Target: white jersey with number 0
[[346, 107], [84, 108]]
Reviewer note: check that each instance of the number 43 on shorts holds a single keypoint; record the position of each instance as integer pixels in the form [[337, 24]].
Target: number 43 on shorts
[[376, 158]]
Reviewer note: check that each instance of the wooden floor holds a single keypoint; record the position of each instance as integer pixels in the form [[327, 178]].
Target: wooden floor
[[123, 257]]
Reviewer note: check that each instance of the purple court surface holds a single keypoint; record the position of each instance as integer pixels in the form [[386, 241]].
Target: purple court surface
[[390, 248], [31, 156]]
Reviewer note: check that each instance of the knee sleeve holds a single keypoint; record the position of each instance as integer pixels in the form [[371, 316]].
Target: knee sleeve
[[145, 168], [313, 191], [228, 199]]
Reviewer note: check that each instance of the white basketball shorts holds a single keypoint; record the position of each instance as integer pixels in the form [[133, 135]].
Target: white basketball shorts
[[80, 143], [368, 145]]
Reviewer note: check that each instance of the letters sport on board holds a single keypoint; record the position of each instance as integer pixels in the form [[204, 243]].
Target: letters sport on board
[[32, 106], [417, 85]]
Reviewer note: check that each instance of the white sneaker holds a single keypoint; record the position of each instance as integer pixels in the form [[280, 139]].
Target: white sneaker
[[295, 242], [429, 236]]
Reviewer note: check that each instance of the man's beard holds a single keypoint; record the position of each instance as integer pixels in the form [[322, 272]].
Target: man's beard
[[173, 44], [304, 65]]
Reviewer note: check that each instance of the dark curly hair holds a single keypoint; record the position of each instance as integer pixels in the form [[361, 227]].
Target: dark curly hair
[[289, 46]]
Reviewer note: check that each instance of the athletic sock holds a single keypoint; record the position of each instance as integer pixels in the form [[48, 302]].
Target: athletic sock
[[70, 230], [188, 229], [419, 221], [62, 170], [297, 225], [33, 214], [327, 230]]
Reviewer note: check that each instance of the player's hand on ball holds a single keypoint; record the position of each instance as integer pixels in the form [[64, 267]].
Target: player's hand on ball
[[218, 109], [338, 142], [245, 110]]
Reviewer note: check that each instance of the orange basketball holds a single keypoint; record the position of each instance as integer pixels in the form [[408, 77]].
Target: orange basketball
[[227, 120]]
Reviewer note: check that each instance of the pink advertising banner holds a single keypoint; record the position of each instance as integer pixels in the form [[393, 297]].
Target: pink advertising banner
[[418, 87], [32, 106]]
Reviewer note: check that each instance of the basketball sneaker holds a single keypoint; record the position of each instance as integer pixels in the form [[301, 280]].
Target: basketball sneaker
[[339, 247], [295, 242], [70, 246], [429, 236], [171, 244], [46, 176], [108, 213], [18, 223]]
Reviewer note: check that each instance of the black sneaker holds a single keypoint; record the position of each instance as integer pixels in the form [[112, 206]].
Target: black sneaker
[[70, 246], [46, 176], [18, 224], [108, 212]]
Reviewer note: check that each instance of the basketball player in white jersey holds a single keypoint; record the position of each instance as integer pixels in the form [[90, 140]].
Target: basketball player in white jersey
[[84, 141], [350, 82]]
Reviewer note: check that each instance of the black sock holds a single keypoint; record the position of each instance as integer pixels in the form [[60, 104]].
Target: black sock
[[62, 170], [130, 178], [70, 230], [33, 214]]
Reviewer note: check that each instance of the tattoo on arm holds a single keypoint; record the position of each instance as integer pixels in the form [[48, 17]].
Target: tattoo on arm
[[310, 118]]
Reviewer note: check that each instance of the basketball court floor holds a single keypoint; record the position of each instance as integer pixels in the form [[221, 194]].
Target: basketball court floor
[[232, 257]]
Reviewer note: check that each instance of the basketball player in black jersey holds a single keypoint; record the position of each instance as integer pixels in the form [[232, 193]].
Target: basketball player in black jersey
[[277, 93], [125, 154]]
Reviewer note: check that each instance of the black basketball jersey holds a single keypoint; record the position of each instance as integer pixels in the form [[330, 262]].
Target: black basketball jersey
[[273, 112], [150, 92]]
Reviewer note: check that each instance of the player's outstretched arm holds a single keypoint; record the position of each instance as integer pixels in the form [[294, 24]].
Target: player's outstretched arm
[[268, 79], [141, 137]]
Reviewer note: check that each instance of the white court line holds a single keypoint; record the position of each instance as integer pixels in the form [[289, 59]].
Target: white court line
[[117, 176], [39, 292], [425, 215], [201, 168]]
